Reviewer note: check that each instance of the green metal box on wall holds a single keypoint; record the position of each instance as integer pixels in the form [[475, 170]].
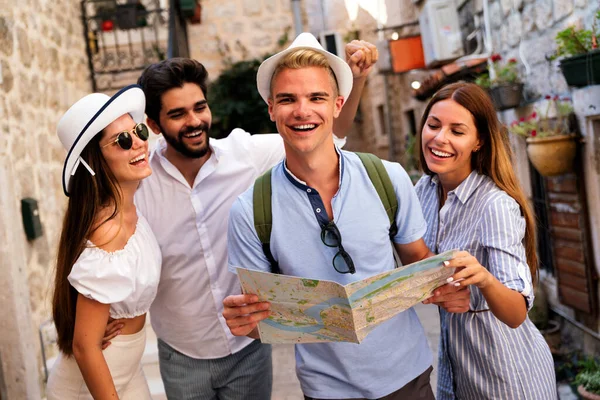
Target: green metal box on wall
[[31, 218]]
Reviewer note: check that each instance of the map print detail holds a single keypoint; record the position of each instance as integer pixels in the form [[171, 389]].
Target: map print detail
[[308, 310]]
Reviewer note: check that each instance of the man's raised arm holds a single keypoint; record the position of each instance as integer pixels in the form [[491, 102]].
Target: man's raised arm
[[360, 56]]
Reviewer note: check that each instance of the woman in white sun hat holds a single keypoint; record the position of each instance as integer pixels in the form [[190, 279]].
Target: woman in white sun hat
[[109, 262]]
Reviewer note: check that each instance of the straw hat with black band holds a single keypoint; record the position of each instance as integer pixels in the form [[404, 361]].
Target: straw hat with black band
[[88, 116]]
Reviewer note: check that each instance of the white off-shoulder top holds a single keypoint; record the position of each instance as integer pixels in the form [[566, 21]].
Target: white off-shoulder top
[[126, 279]]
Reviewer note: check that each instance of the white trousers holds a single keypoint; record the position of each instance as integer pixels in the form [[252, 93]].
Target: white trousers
[[123, 357]]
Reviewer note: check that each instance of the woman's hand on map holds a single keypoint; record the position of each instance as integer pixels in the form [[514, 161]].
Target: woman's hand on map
[[468, 271], [243, 312]]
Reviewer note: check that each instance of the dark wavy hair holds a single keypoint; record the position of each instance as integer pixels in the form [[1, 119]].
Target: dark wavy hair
[[494, 159], [168, 74], [88, 196]]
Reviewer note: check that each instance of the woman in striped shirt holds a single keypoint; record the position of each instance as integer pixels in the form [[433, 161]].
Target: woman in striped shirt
[[472, 201]]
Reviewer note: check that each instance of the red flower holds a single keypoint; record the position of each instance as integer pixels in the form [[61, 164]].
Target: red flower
[[496, 57], [512, 60], [555, 97], [522, 119], [547, 97], [533, 132], [534, 115]]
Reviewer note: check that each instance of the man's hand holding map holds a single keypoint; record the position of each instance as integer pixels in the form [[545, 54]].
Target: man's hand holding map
[[306, 310]]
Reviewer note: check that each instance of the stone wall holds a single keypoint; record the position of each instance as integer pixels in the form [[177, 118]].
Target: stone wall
[[526, 31], [248, 28], [43, 71]]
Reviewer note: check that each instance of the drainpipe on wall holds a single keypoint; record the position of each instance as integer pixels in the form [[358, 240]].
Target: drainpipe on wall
[[297, 17], [388, 119], [488, 37], [386, 94], [178, 45], [323, 20]]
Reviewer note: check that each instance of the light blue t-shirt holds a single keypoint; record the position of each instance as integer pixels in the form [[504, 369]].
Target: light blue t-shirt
[[395, 352]]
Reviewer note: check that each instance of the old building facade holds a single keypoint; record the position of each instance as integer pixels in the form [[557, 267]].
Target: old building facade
[[238, 29], [44, 69]]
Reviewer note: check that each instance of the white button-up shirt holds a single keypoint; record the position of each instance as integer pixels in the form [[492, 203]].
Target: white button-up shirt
[[190, 224]]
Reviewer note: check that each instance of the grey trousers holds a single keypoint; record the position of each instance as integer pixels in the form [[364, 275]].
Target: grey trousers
[[247, 374], [417, 389]]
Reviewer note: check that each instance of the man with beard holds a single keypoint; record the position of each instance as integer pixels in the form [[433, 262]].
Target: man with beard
[[186, 202]]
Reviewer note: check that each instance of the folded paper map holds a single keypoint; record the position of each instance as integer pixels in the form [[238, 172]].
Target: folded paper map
[[308, 310]]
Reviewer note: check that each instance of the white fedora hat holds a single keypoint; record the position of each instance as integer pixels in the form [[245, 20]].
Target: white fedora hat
[[88, 116], [305, 40]]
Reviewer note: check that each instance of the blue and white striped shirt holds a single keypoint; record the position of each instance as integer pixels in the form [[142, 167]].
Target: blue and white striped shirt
[[480, 357]]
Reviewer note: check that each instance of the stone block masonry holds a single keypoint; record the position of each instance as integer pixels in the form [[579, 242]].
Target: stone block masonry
[[248, 28], [43, 70]]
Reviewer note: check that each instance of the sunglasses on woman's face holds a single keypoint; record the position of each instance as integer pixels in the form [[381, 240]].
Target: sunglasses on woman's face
[[125, 140]]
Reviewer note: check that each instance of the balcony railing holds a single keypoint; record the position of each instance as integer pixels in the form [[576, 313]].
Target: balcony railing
[[122, 38]]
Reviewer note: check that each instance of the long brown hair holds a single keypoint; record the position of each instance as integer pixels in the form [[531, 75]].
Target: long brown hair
[[494, 159], [88, 196]]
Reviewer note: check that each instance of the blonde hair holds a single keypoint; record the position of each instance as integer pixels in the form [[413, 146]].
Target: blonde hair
[[304, 58], [494, 158]]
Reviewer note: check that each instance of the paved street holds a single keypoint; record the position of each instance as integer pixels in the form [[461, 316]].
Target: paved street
[[285, 384]]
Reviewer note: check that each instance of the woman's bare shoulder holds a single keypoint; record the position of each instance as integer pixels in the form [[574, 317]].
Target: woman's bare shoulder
[[108, 233]]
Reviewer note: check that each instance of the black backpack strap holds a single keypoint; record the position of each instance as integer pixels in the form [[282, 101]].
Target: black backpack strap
[[383, 185], [263, 216]]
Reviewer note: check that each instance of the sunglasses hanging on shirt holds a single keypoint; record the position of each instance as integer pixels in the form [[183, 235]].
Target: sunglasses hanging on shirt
[[331, 237]]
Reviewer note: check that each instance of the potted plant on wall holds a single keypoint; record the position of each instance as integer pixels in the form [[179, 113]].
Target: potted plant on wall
[[506, 88], [581, 57], [588, 380], [551, 141]]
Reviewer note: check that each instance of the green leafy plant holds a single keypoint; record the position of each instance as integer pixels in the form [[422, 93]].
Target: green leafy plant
[[590, 381], [483, 80], [506, 73], [233, 97], [234, 101], [554, 120], [572, 41], [589, 375]]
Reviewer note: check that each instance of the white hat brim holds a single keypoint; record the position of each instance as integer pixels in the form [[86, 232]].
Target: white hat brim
[[129, 100], [342, 71]]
